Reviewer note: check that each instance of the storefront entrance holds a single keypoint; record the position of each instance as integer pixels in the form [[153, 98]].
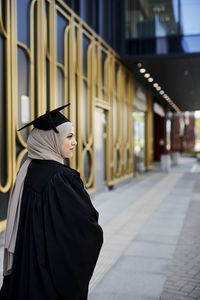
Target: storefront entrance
[[139, 141]]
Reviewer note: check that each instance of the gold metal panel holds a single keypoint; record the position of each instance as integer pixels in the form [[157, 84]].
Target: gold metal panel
[[40, 46], [149, 131], [114, 94], [85, 113], [2, 225], [6, 31]]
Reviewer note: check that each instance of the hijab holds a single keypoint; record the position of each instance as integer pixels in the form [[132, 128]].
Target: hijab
[[41, 144]]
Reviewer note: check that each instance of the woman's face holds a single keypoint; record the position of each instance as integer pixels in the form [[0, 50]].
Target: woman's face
[[68, 145]]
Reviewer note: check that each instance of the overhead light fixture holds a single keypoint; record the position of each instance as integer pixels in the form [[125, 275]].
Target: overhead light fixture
[[142, 70], [155, 84], [158, 88], [139, 65], [162, 92], [150, 79], [147, 75]]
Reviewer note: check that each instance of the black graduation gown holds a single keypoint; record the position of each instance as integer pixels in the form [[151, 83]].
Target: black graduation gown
[[58, 239]]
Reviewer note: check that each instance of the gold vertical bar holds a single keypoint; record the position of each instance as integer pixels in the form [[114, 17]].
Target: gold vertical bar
[[130, 121], [71, 82], [119, 121], [8, 129], [109, 127], [123, 141], [149, 130], [41, 70], [99, 72], [14, 88], [91, 85], [2, 225], [53, 55], [32, 66], [79, 66]]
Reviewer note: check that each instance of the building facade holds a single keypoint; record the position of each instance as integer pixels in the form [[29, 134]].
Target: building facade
[[49, 57], [54, 52]]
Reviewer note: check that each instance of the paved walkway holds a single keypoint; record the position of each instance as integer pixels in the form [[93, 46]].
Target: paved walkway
[[183, 279], [151, 245], [152, 242]]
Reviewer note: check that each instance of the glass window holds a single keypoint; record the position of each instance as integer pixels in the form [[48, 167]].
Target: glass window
[[61, 27], [189, 17], [191, 44], [154, 18], [89, 12], [23, 27]]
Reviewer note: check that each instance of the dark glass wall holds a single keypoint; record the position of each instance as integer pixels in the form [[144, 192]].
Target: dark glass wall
[[162, 26], [105, 17]]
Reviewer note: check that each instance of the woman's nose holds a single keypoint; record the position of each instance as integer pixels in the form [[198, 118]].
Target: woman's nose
[[74, 142]]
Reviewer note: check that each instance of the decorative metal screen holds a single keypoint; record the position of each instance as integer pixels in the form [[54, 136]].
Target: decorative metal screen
[[49, 57]]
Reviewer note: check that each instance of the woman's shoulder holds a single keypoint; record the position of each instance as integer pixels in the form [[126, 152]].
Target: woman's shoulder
[[51, 165], [42, 172]]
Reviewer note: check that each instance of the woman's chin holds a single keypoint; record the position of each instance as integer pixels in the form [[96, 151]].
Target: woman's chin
[[69, 155]]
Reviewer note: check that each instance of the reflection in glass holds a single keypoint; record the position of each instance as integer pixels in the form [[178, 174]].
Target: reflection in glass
[[146, 19], [86, 43], [117, 160], [115, 125], [87, 166], [47, 25], [85, 110], [189, 17], [103, 59], [60, 87], [61, 26], [23, 84], [139, 140], [116, 73], [191, 44], [23, 27], [3, 12], [162, 26], [127, 159]]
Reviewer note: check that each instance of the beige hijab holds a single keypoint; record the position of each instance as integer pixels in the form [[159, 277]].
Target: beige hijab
[[41, 145]]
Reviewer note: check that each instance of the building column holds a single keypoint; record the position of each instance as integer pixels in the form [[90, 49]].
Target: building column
[[149, 131]]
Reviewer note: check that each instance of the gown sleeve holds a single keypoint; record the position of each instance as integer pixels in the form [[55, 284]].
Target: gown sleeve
[[72, 235]]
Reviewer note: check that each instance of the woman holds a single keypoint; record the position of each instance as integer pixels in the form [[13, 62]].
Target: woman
[[52, 237]]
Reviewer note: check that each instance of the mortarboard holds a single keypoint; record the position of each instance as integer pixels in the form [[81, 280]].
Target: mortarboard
[[50, 120]]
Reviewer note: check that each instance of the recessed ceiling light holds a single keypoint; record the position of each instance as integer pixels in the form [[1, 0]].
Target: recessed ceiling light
[[162, 92], [165, 96], [147, 75], [150, 79], [142, 70], [139, 65], [158, 88], [155, 84]]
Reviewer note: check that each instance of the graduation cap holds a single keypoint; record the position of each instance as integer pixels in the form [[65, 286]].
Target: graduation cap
[[50, 120]]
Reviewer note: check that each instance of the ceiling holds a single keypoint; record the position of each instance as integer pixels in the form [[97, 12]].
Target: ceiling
[[178, 76]]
